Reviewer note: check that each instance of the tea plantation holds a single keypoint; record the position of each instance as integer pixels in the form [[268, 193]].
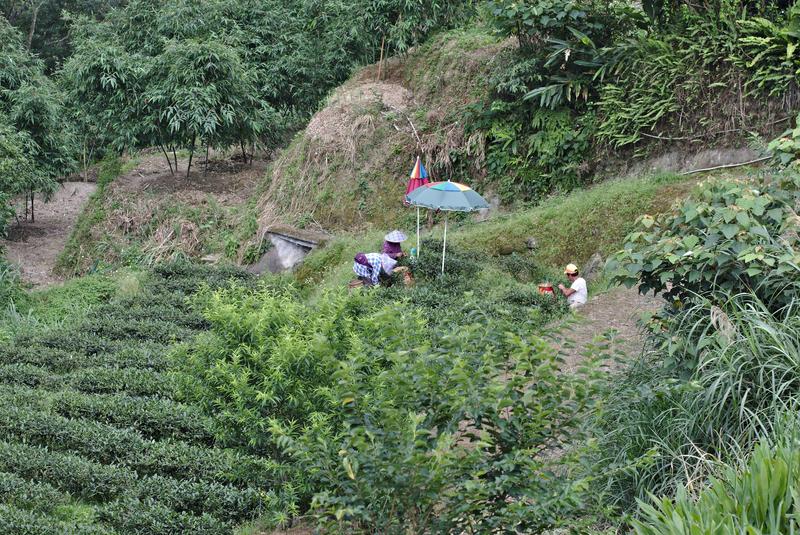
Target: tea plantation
[[93, 438]]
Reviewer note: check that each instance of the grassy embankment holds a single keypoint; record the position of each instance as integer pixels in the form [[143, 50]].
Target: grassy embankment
[[567, 228]]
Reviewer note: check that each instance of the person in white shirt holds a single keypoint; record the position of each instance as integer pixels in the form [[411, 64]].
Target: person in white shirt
[[577, 293]]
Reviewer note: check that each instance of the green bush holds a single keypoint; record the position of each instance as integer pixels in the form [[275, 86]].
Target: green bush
[[66, 472], [15, 521], [134, 516], [32, 496], [786, 148], [734, 236], [153, 418], [448, 437], [270, 355]]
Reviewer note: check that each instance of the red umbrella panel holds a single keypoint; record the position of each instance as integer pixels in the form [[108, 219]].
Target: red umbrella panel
[[419, 177]]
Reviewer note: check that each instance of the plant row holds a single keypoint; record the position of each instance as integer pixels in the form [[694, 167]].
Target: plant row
[[154, 418], [67, 472], [150, 356], [15, 521], [108, 444], [133, 516], [57, 473], [34, 496], [132, 381]]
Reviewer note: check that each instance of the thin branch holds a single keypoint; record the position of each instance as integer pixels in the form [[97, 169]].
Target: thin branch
[[725, 166], [419, 142], [708, 134]]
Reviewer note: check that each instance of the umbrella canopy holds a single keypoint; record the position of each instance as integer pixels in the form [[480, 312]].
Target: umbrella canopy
[[447, 195], [419, 177]]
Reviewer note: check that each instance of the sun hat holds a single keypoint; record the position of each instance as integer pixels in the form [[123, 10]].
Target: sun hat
[[571, 269], [395, 236]]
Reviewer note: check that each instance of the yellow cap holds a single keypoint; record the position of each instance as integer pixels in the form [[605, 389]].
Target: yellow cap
[[571, 269]]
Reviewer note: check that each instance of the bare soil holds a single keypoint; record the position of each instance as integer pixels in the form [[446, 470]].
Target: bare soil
[[230, 181], [619, 309], [33, 246]]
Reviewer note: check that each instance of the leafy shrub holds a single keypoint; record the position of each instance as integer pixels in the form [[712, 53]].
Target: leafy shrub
[[149, 356], [786, 148], [735, 236], [450, 437], [459, 264], [153, 418], [155, 518], [65, 472], [15, 521], [29, 495], [271, 356], [768, 51]]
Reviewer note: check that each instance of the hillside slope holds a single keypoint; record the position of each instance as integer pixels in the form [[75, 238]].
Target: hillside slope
[[349, 167]]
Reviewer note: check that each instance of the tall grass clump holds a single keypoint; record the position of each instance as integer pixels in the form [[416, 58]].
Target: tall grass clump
[[673, 423], [761, 496]]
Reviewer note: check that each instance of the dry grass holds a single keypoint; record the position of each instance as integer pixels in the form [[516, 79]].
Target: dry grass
[[349, 168]]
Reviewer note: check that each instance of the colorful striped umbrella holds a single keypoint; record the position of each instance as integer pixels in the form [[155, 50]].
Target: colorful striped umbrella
[[419, 177], [448, 196]]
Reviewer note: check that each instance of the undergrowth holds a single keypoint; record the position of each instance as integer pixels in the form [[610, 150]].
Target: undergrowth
[[77, 254]]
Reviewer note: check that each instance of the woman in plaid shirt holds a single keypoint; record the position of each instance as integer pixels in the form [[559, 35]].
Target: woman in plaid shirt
[[368, 267]]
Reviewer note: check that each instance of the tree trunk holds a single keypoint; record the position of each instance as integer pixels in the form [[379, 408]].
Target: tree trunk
[[175, 156], [191, 153], [33, 23], [167, 157], [85, 160], [33, 215], [380, 61], [206, 170], [244, 151]]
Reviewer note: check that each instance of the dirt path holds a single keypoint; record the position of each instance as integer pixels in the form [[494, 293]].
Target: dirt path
[[619, 309], [34, 247]]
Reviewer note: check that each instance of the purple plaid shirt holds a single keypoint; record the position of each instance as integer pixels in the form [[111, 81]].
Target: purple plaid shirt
[[371, 272]]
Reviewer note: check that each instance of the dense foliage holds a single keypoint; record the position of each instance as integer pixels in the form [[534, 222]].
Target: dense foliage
[[720, 372], [732, 236], [180, 74], [35, 144], [389, 420], [93, 440], [589, 77]]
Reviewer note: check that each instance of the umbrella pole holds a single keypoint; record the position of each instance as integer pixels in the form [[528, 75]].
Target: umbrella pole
[[444, 242], [417, 231]]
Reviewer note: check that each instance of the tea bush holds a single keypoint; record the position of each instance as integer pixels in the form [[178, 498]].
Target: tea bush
[[89, 423], [153, 418], [66, 472], [33, 496], [15, 521], [137, 517]]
